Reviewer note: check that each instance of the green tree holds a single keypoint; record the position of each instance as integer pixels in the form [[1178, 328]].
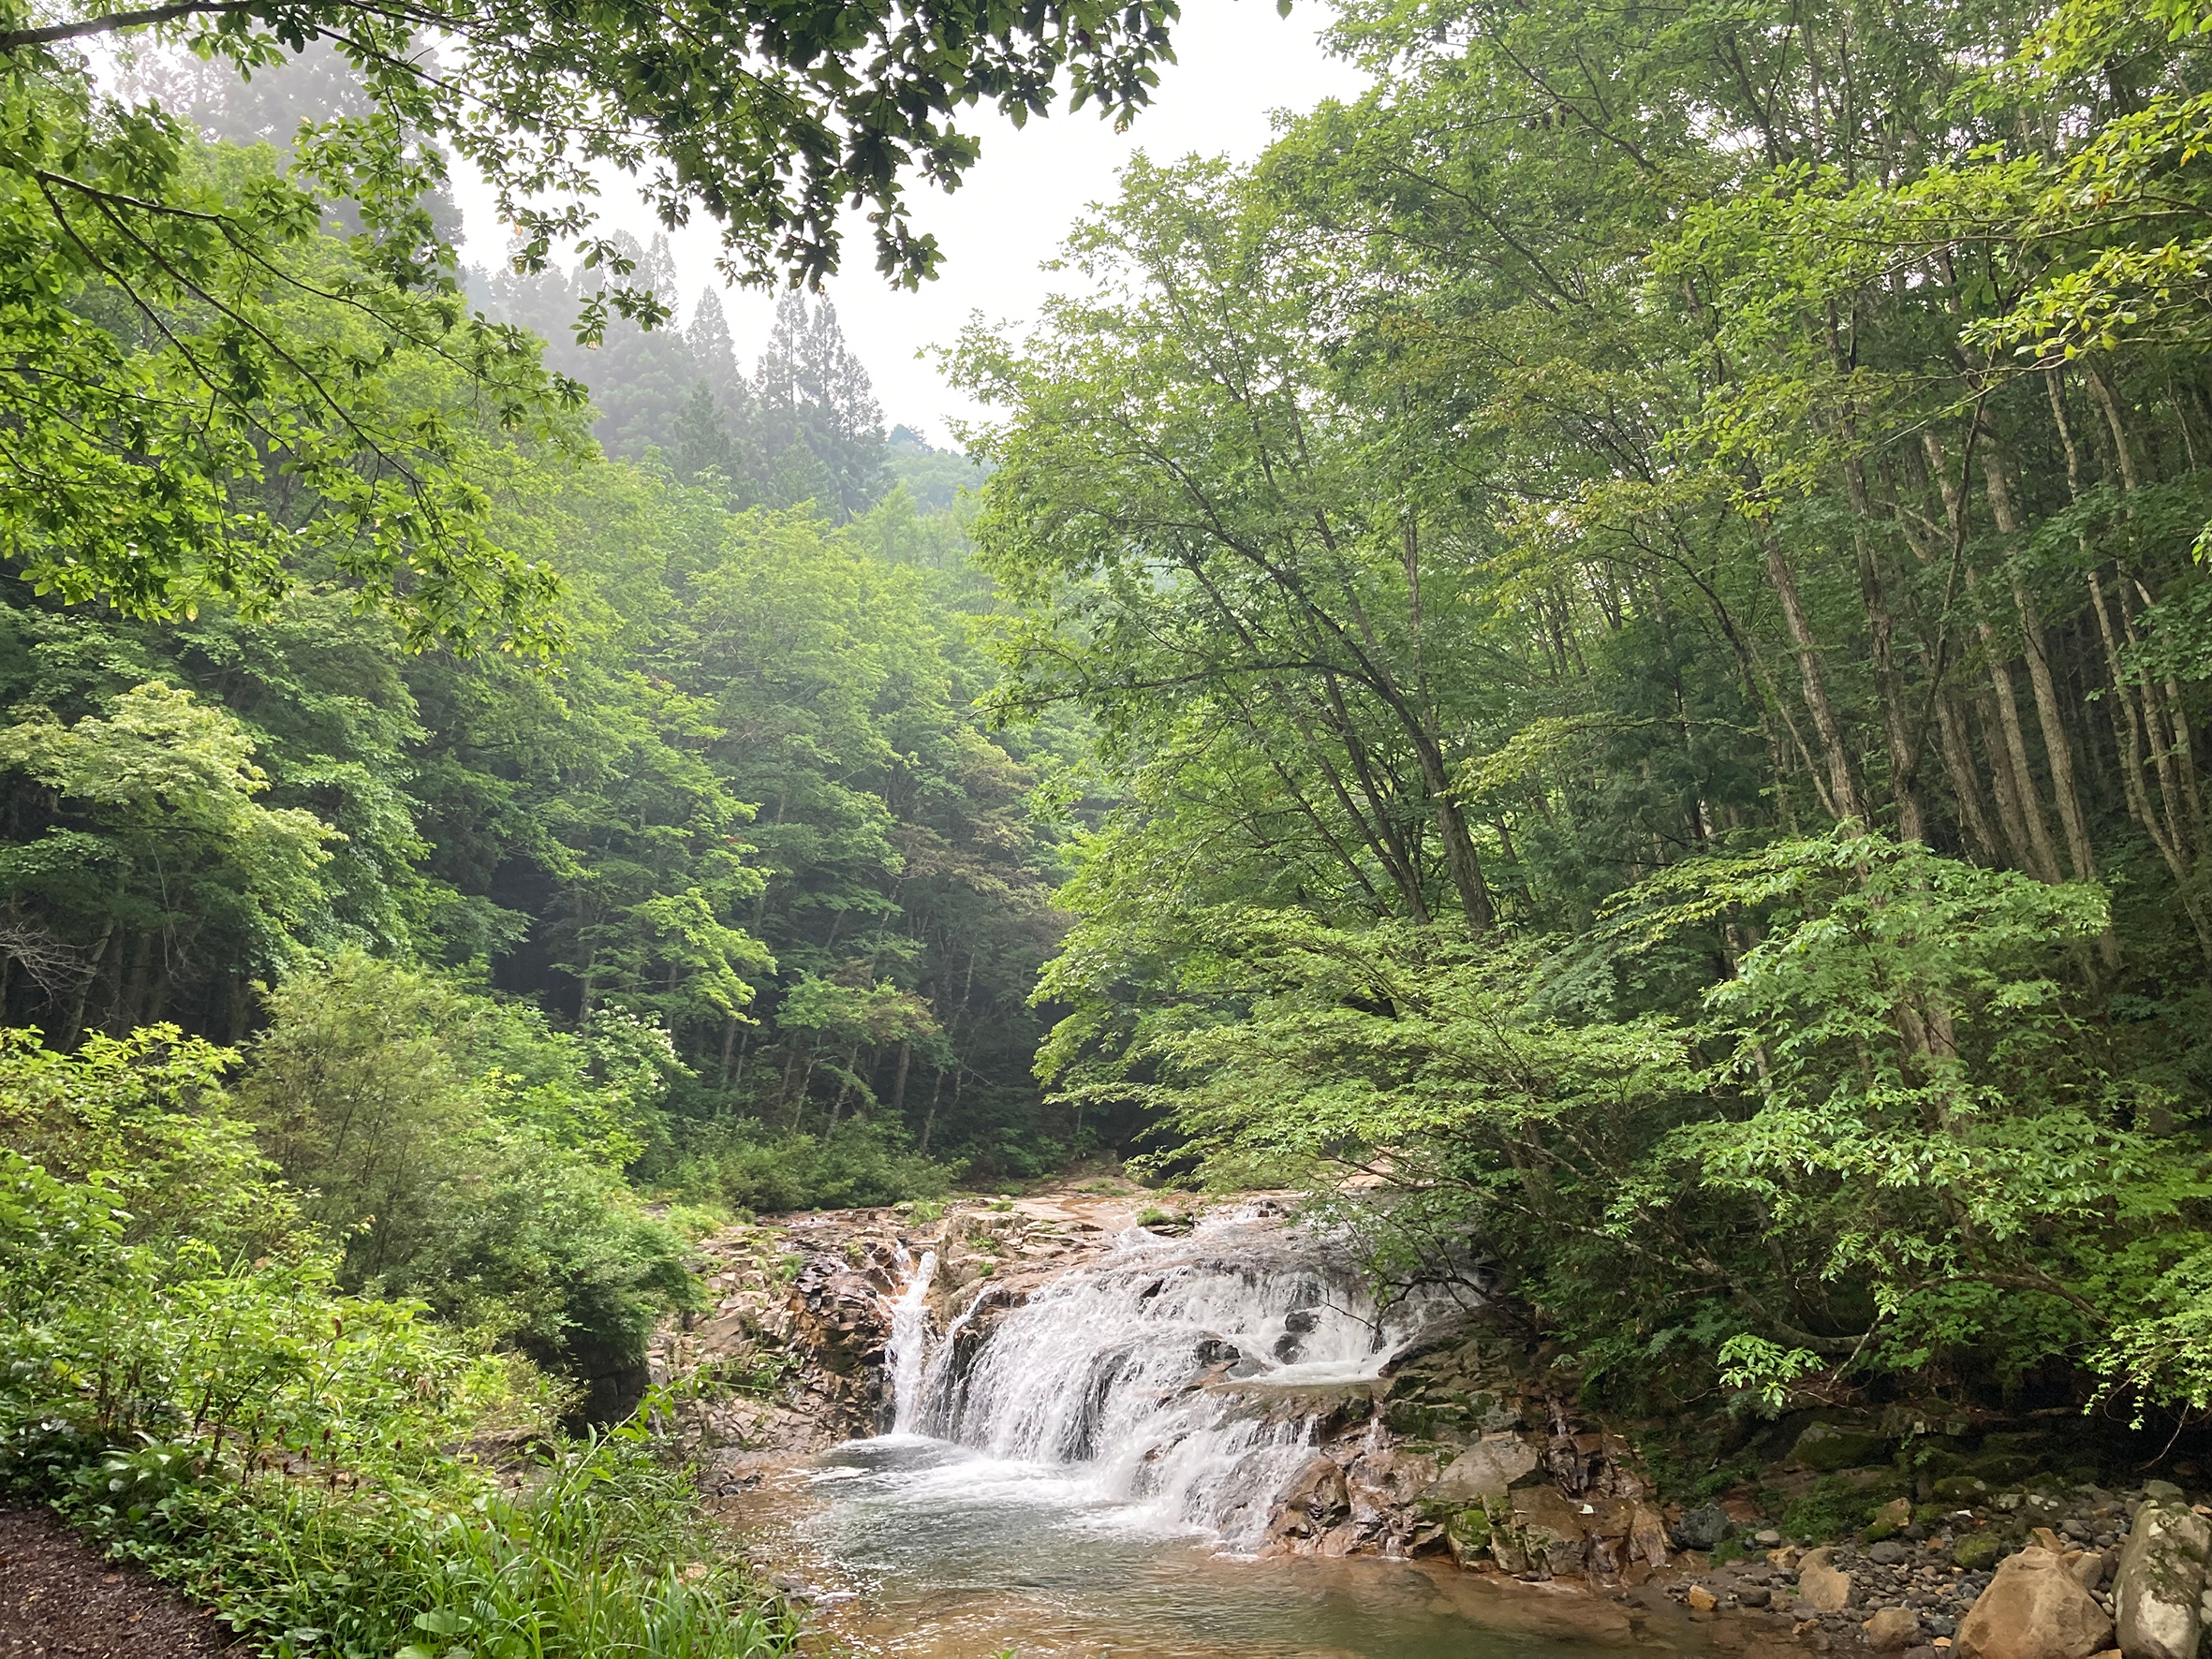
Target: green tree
[[139, 849], [196, 346]]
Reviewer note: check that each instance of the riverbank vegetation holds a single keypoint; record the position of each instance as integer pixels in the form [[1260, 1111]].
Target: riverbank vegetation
[[1642, 585], [462, 826]]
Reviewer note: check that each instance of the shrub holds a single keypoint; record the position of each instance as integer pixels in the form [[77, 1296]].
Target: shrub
[[466, 1156], [295, 1455], [600, 1558], [858, 1163]]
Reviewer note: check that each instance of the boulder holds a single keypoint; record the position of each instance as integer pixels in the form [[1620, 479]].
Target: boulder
[[1889, 1519], [1505, 1549], [1822, 1587], [1311, 1502], [1892, 1630], [2161, 1582], [1468, 1535], [1485, 1470], [1551, 1528], [2034, 1608], [1829, 1447], [1978, 1551], [1702, 1528]]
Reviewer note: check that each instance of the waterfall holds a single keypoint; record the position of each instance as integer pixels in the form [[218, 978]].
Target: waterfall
[[906, 1353], [1169, 1375]]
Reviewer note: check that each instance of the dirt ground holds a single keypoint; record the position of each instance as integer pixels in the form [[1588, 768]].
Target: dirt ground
[[60, 1600]]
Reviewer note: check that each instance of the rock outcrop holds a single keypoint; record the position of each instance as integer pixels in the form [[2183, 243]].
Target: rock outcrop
[[1487, 1469], [2159, 1586]]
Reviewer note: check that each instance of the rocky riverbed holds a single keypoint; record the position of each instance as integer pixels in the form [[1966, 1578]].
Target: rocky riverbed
[[1918, 1530]]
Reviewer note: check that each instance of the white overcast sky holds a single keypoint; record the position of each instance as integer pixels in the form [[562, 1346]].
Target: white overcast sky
[[1238, 62]]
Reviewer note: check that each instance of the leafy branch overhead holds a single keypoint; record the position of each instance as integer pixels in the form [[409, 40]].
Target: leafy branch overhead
[[211, 398]]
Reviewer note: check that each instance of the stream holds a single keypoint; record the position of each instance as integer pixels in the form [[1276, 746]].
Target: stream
[[1099, 1475]]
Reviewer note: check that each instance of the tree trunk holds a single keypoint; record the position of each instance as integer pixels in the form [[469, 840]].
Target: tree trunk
[[2057, 747], [898, 1087], [1843, 789], [1966, 787], [2041, 857], [1897, 729], [92, 974]]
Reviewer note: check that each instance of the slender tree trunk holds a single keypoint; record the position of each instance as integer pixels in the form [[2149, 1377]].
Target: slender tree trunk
[[2004, 787], [92, 974], [845, 1085], [130, 990], [2128, 734], [929, 1119], [1843, 788], [2057, 747], [2027, 807], [1966, 787], [1897, 728], [2108, 404]]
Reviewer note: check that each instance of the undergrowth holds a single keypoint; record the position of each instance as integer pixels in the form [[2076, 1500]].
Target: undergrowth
[[338, 1476]]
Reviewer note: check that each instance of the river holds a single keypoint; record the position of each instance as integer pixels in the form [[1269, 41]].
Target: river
[[1097, 1478]]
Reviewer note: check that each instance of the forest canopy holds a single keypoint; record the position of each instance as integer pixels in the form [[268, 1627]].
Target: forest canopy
[[214, 390], [1640, 586]]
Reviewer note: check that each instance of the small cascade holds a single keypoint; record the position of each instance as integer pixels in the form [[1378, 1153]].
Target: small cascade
[[1176, 1376], [906, 1353]]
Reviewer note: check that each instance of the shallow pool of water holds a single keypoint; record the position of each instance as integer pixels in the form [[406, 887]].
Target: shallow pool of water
[[933, 1550]]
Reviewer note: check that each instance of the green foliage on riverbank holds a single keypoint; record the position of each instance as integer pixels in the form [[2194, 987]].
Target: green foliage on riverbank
[[184, 1373], [1643, 592]]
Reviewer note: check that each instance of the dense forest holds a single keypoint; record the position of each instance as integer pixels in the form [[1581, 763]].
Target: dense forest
[[749, 805], [494, 786], [1597, 661], [1643, 588]]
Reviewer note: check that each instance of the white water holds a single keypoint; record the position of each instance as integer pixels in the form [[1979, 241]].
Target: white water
[[1145, 1381], [906, 1353], [1092, 1478]]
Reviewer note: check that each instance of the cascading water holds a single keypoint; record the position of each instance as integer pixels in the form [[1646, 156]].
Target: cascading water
[[906, 1353], [1150, 1373], [1090, 1470]]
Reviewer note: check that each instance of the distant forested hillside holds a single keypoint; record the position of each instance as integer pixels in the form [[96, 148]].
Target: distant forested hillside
[[750, 800]]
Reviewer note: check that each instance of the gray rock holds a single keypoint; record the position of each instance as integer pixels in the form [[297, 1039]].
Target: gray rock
[[1889, 1553], [1702, 1528], [2160, 1581], [1485, 1470], [2162, 1491]]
